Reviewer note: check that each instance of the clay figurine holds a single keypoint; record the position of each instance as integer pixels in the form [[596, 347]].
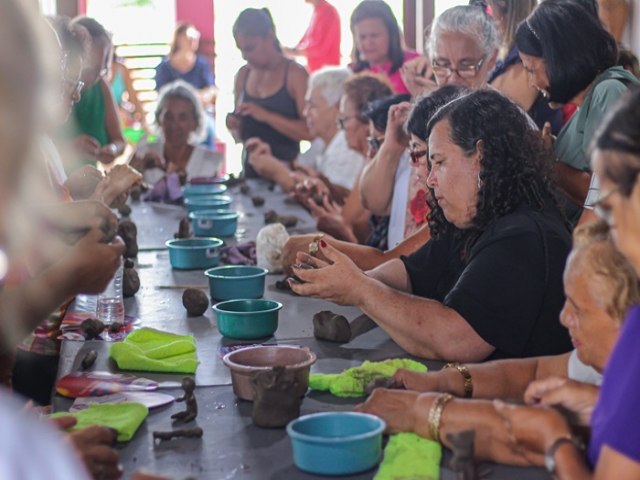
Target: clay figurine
[[379, 382], [257, 201], [189, 398], [184, 229], [92, 327], [277, 400], [462, 462], [186, 433], [89, 359], [332, 327], [195, 301], [130, 282], [129, 234]]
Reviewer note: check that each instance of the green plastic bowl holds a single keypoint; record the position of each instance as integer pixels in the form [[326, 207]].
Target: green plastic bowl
[[247, 319], [207, 202], [194, 253], [231, 282]]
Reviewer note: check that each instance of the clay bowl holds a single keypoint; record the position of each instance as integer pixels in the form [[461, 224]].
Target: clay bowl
[[194, 253], [207, 202], [243, 363], [236, 281], [247, 319], [214, 223], [189, 191], [336, 443]]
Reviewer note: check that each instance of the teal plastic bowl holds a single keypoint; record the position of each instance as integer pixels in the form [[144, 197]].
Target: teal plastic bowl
[[203, 189], [236, 281], [214, 223], [194, 253], [247, 319], [207, 202], [336, 443]]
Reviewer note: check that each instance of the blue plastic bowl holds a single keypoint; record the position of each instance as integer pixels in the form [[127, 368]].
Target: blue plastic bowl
[[207, 202], [247, 319], [203, 189], [194, 253], [236, 281], [214, 223], [336, 443]]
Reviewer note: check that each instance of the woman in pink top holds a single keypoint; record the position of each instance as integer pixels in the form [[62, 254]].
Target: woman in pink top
[[377, 42]]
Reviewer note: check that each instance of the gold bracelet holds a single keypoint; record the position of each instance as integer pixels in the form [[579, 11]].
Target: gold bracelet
[[435, 414], [466, 375]]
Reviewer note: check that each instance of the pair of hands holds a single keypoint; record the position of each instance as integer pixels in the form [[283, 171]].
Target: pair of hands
[[90, 146], [417, 76], [246, 109], [112, 189]]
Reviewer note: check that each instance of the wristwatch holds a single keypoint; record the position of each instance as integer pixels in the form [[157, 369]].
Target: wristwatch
[[549, 456]]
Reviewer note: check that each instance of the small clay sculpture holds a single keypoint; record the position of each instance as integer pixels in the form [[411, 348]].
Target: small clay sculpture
[[379, 382], [186, 433], [462, 462], [332, 327], [115, 327], [124, 210], [245, 189], [189, 398], [92, 327], [257, 201], [277, 400], [287, 220], [195, 301], [130, 282], [184, 229], [89, 359], [135, 192], [129, 234]]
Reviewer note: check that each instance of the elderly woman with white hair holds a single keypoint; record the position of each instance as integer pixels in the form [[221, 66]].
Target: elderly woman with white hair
[[337, 164], [181, 119]]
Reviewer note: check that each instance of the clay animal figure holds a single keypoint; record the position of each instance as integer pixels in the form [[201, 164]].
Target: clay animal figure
[[277, 400], [129, 234], [189, 398], [186, 433], [463, 463]]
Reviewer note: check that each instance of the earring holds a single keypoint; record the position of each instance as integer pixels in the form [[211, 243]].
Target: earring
[[479, 182]]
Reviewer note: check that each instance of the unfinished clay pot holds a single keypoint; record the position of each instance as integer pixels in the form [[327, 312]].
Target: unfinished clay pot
[[128, 231], [332, 327], [277, 400], [195, 301], [130, 282]]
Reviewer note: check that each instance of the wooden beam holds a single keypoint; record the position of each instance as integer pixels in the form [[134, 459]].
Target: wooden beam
[[418, 15]]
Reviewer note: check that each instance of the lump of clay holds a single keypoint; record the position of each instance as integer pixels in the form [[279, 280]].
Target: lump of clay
[[379, 382], [276, 401], [129, 234], [245, 189], [195, 301], [135, 193], [287, 220], [92, 327], [124, 210], [332, 327], [130, 282], [184, 229], [269, 245], [257, 201]]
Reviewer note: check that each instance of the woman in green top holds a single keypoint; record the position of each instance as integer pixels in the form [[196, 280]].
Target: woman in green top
[[573, 64], [99, 137]]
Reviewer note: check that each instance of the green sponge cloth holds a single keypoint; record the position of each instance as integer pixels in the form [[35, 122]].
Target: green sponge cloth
[[125, 418], [352, 381], [153, 350], [410, 457]]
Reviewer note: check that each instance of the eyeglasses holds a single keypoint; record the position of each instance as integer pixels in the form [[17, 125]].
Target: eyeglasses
[[343, 120], [416, 155], [375, 143], [601, 211], [463, 71]]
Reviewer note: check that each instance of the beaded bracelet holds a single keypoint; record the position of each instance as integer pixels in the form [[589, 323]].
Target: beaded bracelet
[[466, 375], [435, 414]]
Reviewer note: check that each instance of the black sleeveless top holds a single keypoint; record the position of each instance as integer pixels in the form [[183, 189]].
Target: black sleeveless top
[[283, 147]]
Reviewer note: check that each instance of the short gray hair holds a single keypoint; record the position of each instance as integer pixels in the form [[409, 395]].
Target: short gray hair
[[467, 20], [182, 90], [330, 81]]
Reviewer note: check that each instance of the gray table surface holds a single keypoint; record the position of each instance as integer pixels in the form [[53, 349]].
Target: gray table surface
[[232, 447]]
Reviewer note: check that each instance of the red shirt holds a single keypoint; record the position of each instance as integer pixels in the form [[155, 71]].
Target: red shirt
[[321, 41]]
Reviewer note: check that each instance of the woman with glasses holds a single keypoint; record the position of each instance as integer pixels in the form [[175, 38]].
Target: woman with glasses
[[95, 122], [575, 64], [378, 43]]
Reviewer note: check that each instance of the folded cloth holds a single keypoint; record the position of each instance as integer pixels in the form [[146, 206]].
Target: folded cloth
[[153, 350], [352, 381], [125, 418], [408, 456]]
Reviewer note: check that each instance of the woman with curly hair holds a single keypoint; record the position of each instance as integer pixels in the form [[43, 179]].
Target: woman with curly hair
[[489, 282]]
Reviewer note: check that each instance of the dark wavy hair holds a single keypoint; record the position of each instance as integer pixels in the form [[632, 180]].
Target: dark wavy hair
[[378, 9], [426, 106], [572, 42], [378, 110], [95, 28], [620, 133], [364, 88], [515, 167], [256, 22]]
